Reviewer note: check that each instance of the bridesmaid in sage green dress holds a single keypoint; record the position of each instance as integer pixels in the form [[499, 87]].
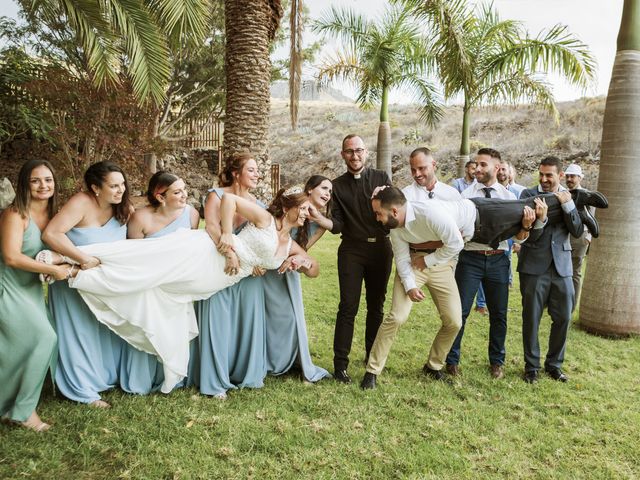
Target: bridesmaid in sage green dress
[[27, 340]]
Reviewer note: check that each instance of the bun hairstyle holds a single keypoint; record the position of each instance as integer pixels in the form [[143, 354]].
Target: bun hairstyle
[[286, 199], [96, 175], [23, 189], [233, 165], [159, 183]]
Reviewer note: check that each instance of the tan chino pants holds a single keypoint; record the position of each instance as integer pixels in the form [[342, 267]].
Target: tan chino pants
[[441, 283]]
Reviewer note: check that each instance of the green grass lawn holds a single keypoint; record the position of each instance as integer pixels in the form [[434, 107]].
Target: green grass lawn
[[410, 427]]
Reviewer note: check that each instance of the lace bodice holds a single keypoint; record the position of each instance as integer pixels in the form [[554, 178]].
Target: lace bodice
[[256, 247]]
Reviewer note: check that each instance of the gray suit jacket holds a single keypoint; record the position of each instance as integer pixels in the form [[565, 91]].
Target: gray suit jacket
[[550, 244]]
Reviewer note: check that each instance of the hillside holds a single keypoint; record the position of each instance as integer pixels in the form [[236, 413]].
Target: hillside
[[521, 133]]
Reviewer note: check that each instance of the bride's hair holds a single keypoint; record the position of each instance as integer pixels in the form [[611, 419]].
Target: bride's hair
[[233, 164], [286, 199], [96, 175], [159, 183]]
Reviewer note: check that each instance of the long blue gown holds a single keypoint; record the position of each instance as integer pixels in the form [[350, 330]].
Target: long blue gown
[[286, 328], [149, 374], [232, 337], [89, 360]]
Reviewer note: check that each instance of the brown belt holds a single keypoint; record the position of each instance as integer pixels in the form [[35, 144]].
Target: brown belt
[[422, 250], [486, 252]]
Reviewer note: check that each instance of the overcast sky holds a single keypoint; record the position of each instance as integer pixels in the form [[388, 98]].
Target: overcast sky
[[595, 22]]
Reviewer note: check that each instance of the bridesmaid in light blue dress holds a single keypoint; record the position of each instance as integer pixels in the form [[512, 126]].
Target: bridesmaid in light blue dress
[[287, 341], [231, 322], [90, 354], [167, 212]]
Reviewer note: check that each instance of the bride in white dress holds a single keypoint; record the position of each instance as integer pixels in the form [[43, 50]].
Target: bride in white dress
[[143, 289]]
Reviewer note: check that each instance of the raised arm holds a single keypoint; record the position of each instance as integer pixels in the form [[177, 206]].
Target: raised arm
[[232, 204]]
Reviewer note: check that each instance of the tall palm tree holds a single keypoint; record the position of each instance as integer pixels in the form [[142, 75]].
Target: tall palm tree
[[250, 28], [610, 300], [136, 34], [378, 57], [486, 60]]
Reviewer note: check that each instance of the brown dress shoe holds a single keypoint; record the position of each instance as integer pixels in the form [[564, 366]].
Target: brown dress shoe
[[452, 370], [496, 371], [482, 310]]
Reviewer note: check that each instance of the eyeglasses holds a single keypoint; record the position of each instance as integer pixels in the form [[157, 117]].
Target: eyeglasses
[[432, 194], [357, 151]]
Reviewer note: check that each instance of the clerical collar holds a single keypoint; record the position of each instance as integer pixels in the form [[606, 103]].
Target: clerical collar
[[358, 175]]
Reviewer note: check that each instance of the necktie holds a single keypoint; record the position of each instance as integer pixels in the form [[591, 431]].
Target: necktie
[[487, 192]]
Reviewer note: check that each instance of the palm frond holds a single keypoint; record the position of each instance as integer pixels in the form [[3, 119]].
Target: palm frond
[[146, 48], [427, 95], [516, 88], [554, 50], [184, 21], [342, 23]]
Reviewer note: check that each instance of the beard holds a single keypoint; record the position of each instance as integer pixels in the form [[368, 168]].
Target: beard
[[391, 223]]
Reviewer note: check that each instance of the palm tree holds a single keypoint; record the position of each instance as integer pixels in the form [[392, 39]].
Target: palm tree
[[139, 31], [250, 28], [486, 60], [378, 57], [610, 303]]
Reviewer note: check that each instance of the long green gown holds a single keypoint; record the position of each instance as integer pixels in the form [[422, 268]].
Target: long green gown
[[27, 340]]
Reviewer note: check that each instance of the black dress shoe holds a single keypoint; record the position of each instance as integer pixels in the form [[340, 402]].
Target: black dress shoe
[[589, 221], [342, 376], [557, 374], [583, 197], [435, 374], [369, 381], [531, 377]]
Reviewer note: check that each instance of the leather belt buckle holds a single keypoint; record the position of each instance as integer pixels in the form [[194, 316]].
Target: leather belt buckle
[[372, 239], [488, 253]]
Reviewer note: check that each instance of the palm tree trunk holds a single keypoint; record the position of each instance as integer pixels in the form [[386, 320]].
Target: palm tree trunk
[[383, 148], [250, 27], [463, 158], [610, 303]]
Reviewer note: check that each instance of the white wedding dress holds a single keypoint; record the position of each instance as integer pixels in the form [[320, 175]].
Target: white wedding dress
[[144, 290]]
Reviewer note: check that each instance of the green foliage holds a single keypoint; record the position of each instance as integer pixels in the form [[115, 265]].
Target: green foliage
[[133, 34], [487, 60], [410, 427], [412, 137], [378, 56], [21, 114]]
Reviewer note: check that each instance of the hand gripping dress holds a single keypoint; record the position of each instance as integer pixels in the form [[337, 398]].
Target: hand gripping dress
[[143, 290]]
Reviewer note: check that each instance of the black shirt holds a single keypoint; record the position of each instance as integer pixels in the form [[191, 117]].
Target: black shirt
[[352, 214]]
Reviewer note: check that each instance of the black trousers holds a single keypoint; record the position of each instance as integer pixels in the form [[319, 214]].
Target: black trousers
[[499, 219], [358, 261]]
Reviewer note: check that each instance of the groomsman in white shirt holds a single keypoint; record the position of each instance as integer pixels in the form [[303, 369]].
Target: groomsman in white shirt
[[480, 264], [408, 282]]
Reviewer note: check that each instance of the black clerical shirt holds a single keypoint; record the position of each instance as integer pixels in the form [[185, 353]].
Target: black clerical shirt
[[352, 214]]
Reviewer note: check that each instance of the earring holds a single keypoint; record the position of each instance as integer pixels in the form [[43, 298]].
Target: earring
[[97, 194]]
